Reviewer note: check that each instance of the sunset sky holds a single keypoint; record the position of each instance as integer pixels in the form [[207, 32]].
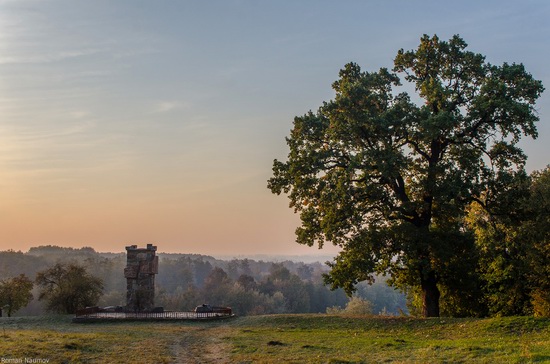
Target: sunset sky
[[134, 122]]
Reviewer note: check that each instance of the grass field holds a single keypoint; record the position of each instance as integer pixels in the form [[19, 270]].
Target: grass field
[[278, 338]]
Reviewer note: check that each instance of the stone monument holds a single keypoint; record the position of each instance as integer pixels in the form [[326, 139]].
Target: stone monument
[[141, 267]]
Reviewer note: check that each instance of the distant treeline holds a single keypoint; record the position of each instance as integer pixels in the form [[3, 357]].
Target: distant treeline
[[187, 280]]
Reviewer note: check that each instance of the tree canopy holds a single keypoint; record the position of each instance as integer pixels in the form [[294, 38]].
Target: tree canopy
[[514, 247], [388, 176], [68, 287], [15, 293]]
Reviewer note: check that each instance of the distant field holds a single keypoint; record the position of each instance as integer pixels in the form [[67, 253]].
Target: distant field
[[278, 338]]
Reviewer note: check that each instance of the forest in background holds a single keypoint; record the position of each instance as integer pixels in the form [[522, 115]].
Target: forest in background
[[250, 287]]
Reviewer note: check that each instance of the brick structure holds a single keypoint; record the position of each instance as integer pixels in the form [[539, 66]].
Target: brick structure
[[141, 267]]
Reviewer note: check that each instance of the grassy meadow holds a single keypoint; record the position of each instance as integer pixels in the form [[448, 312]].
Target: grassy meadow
[[279, 338]]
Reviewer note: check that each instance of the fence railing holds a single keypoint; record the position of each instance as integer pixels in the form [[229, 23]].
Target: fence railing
[[152, 315]]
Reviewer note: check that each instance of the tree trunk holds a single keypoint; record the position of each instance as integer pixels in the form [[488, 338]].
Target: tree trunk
[[430, 295]]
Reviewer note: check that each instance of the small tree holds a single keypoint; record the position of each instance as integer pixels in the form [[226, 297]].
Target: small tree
[[15, 293], [68, 287]]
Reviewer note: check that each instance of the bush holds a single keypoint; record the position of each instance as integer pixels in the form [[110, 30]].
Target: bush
[[355, 306]]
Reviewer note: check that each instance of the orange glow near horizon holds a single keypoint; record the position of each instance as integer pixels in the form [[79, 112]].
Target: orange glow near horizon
[[239, 224]]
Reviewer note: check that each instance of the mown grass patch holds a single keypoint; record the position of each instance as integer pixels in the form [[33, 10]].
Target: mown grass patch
[[341, 339]]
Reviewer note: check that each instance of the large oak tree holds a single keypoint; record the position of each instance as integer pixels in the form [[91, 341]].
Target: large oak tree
[[388, 176]]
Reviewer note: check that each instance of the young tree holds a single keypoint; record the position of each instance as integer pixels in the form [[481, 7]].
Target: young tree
[[15, 293], [389, 180], [68, 287]]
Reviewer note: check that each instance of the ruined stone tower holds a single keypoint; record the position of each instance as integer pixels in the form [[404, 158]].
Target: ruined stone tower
[[141, 267]]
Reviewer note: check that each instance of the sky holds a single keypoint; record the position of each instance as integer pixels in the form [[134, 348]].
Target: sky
[[133, 122]]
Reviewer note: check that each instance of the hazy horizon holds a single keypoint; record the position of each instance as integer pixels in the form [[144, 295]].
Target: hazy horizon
[[307, 253], [307, 257], [132, 122]]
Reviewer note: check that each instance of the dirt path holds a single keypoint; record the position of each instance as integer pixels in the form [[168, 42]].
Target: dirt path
[[202, 345]]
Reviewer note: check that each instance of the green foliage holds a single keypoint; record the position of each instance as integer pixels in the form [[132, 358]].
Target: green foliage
[[389, 181], [180, 299], [181, 282], [14, 263], [247, 282], [290, 286], [535, 230], [278, 291], [68, 287], [513, 243], [356, 306], [541, 302], [15, 293]]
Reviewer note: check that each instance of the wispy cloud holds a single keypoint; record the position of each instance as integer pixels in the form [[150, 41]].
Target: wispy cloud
[[49, 57], [166, 106]]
